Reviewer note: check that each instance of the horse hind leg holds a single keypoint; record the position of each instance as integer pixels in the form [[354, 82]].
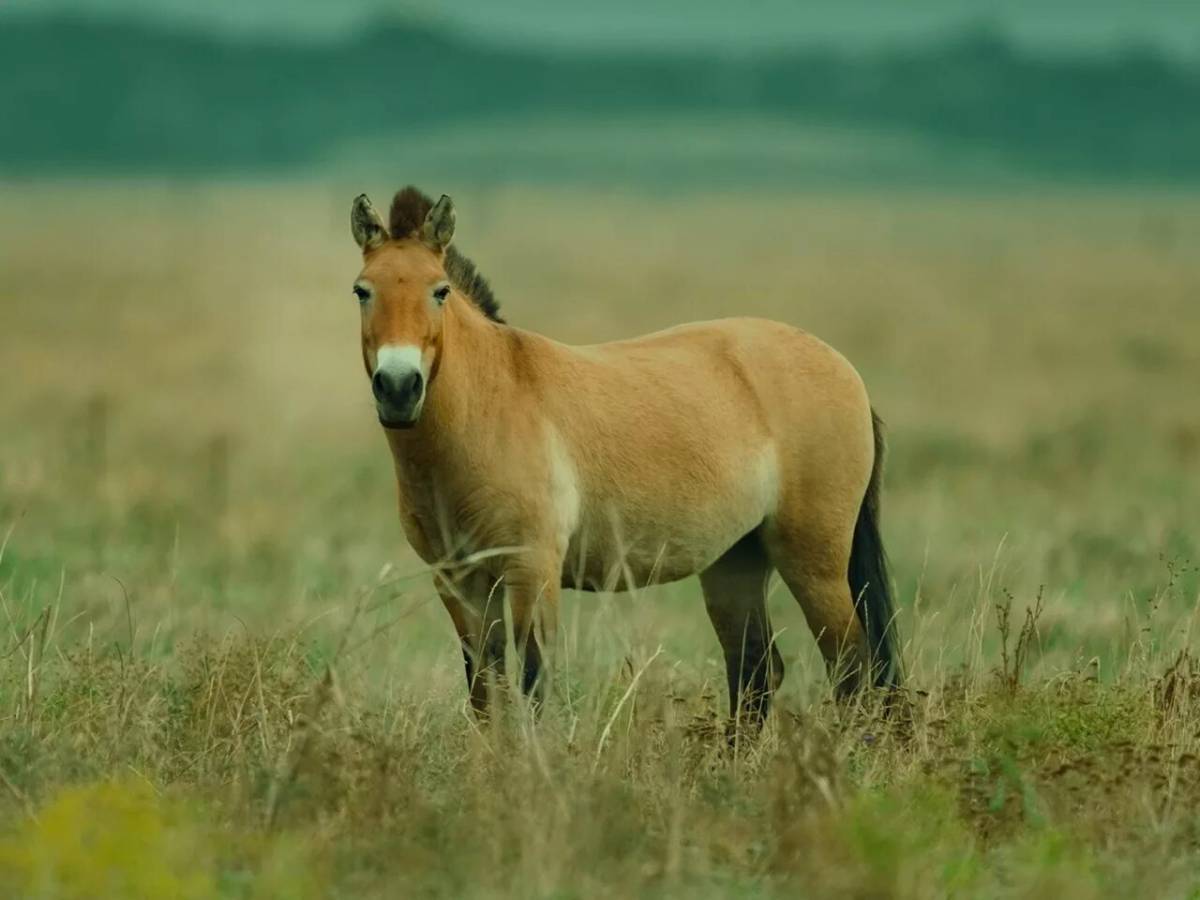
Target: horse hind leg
[[813, 558], [735, 595]]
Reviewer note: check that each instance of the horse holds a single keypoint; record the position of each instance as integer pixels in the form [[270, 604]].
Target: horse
[[727, 449]]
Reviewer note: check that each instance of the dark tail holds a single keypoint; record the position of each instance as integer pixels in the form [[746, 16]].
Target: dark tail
[[869, 583]]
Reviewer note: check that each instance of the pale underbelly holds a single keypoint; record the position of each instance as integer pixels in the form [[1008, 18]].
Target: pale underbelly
[[628, 538], [613, 558]]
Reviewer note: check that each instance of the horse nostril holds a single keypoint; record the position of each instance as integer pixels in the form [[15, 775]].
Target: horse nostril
[[411, 386], [379, 386]]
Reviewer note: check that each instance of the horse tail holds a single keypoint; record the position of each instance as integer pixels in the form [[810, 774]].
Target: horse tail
[[869, 583]]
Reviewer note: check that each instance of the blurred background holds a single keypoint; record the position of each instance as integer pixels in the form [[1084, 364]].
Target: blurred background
[[990, 209], [671, 92]]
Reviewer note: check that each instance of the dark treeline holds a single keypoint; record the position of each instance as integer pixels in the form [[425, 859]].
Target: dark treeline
[[93, 95]]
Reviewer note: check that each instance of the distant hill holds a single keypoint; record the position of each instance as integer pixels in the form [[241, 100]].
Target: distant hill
[[109, 97]]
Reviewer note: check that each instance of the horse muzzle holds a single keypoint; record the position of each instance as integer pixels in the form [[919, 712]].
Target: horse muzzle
[[399, 397]]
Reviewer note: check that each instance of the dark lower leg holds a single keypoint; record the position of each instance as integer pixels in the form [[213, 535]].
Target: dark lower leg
[[735, 598], [753, 672], [533, 592], [532, 683], [483, 660], [477, 608]]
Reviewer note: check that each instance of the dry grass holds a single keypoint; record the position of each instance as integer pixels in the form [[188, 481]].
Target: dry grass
[[222, 674]]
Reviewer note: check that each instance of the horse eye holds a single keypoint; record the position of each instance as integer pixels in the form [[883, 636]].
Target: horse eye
[[361, 293], [442, 293]]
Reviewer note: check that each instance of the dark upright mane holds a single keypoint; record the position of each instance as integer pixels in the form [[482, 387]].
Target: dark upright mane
[[466, 278], [409, 209]]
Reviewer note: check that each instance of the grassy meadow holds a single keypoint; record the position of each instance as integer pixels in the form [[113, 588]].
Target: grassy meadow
[[223, 674]]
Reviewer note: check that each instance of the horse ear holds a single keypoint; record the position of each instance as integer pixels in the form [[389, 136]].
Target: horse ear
[[366, 224], [438, 228]]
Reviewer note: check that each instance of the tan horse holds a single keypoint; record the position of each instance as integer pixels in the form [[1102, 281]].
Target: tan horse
[[728, 449]]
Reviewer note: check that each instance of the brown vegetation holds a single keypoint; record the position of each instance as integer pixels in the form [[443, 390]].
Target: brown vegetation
[[222, 674]]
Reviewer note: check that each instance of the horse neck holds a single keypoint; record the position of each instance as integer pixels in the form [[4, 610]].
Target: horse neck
[[469, 386]]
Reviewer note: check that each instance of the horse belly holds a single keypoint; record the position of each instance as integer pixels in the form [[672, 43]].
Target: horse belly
[[632, 540]]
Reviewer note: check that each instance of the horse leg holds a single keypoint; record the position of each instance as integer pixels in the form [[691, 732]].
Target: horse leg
[[533, 595], [735, 595], [475, 602], [813, 559]]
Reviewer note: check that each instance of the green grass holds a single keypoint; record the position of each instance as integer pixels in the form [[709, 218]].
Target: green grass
[[222, 674]]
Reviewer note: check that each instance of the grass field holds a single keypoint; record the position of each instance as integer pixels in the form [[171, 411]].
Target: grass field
[[222, 673]]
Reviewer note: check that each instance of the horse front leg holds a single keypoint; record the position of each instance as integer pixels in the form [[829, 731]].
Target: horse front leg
[[534, 587], [475, 602]]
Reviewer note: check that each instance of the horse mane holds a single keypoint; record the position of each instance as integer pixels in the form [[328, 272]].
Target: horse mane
[[410, 206]]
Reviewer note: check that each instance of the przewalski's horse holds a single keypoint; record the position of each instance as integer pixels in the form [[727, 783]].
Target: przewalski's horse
[[727, 449]]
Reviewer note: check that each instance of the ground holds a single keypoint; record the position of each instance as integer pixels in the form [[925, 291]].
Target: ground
[[223, 673]]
